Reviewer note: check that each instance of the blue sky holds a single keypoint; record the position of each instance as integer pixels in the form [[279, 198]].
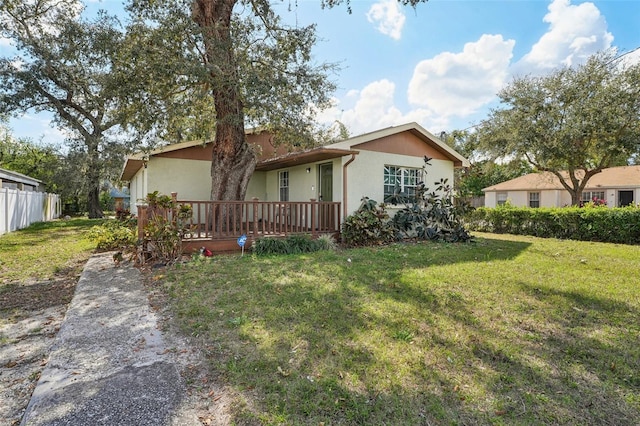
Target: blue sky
[[440, 64]]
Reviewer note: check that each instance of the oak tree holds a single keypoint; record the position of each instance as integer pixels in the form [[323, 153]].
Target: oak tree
[[66, 65], [573, 122], [246, 68]]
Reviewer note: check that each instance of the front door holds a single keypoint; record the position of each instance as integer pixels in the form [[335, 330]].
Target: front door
[[625, 198], [325, 214], [326, 182]]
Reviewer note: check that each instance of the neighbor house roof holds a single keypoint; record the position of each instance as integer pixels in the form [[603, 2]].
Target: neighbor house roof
[[613, 177], [116, 193], [11, 176]]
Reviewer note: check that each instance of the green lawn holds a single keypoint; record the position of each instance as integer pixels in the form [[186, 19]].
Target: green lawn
[[506, 330], [44, 249]]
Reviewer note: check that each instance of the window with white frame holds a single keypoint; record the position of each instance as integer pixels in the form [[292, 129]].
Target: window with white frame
[[400, 180], [588, 196], [534, 199], [283, 183], [501, 198]]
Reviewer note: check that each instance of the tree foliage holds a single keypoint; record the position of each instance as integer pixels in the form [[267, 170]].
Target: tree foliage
[[573, 122], [67, 65], [42, 162], [242, 66], [60, 170], [482, 172]]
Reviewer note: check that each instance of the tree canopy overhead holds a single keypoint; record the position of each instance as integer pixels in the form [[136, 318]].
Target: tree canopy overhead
[[66, 65], [242, 67], [579, 120]]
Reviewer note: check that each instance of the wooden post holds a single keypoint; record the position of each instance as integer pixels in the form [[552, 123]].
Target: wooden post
[[255, 217], [142, 220], [174, 208], [314, 218]]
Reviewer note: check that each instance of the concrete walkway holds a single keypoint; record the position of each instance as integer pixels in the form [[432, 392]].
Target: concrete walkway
[[109, 364]]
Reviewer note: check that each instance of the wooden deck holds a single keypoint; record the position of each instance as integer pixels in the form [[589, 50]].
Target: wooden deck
[[217, 225]]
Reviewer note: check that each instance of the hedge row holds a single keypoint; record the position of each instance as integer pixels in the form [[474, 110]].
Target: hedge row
[[616, 225]]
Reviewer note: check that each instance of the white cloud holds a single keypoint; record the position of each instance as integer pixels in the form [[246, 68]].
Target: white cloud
[[575, 33], [17, 64], [459, 83], [375, 109], [453, 86], [389, 18], [375, 105], [448, 85]]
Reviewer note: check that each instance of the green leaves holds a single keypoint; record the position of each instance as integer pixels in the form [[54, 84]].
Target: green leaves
[[578, 119]]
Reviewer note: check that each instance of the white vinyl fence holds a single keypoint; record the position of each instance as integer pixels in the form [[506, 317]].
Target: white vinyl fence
[[19, 209]]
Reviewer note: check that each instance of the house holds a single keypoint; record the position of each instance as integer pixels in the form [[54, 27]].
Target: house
[[370, 165], [120, 199], [618, 186], [14, 180]]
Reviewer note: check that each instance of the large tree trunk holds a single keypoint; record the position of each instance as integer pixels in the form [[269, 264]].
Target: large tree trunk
[[93, 204], [233, 161], [93, 181]]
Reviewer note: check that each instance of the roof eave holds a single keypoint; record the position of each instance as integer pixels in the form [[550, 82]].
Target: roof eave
[[131, 167], [304, 157]]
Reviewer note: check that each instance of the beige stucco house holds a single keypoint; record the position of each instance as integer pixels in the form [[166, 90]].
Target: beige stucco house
[[367, 165], [618, 186]]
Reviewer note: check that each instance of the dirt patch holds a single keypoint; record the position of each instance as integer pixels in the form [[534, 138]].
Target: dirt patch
[[30, 316]]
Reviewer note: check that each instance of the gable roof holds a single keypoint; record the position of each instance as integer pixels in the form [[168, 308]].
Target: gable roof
[[199, 150], [379, 141], [312, 155], [413, 141], [613, 177]]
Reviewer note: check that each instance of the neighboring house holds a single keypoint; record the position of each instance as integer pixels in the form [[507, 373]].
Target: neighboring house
[[369, 165], [14, 180], [120, 199], [618, 186]]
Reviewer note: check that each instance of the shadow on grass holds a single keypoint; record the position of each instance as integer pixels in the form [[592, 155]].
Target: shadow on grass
[[579, 367], [347, 338]]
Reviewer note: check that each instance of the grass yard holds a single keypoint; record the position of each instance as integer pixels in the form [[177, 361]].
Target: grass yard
[[44, 249], [506, 330]]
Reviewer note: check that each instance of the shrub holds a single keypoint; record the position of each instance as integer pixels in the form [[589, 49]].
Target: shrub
[[326, 242], [432, 215], [123, 214], [426, 215], [167, 222], [369, 225], [292, 244], [114, 235], [615, 225]]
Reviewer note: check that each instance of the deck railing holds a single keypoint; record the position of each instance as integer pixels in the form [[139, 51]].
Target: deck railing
[[225, 220]]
